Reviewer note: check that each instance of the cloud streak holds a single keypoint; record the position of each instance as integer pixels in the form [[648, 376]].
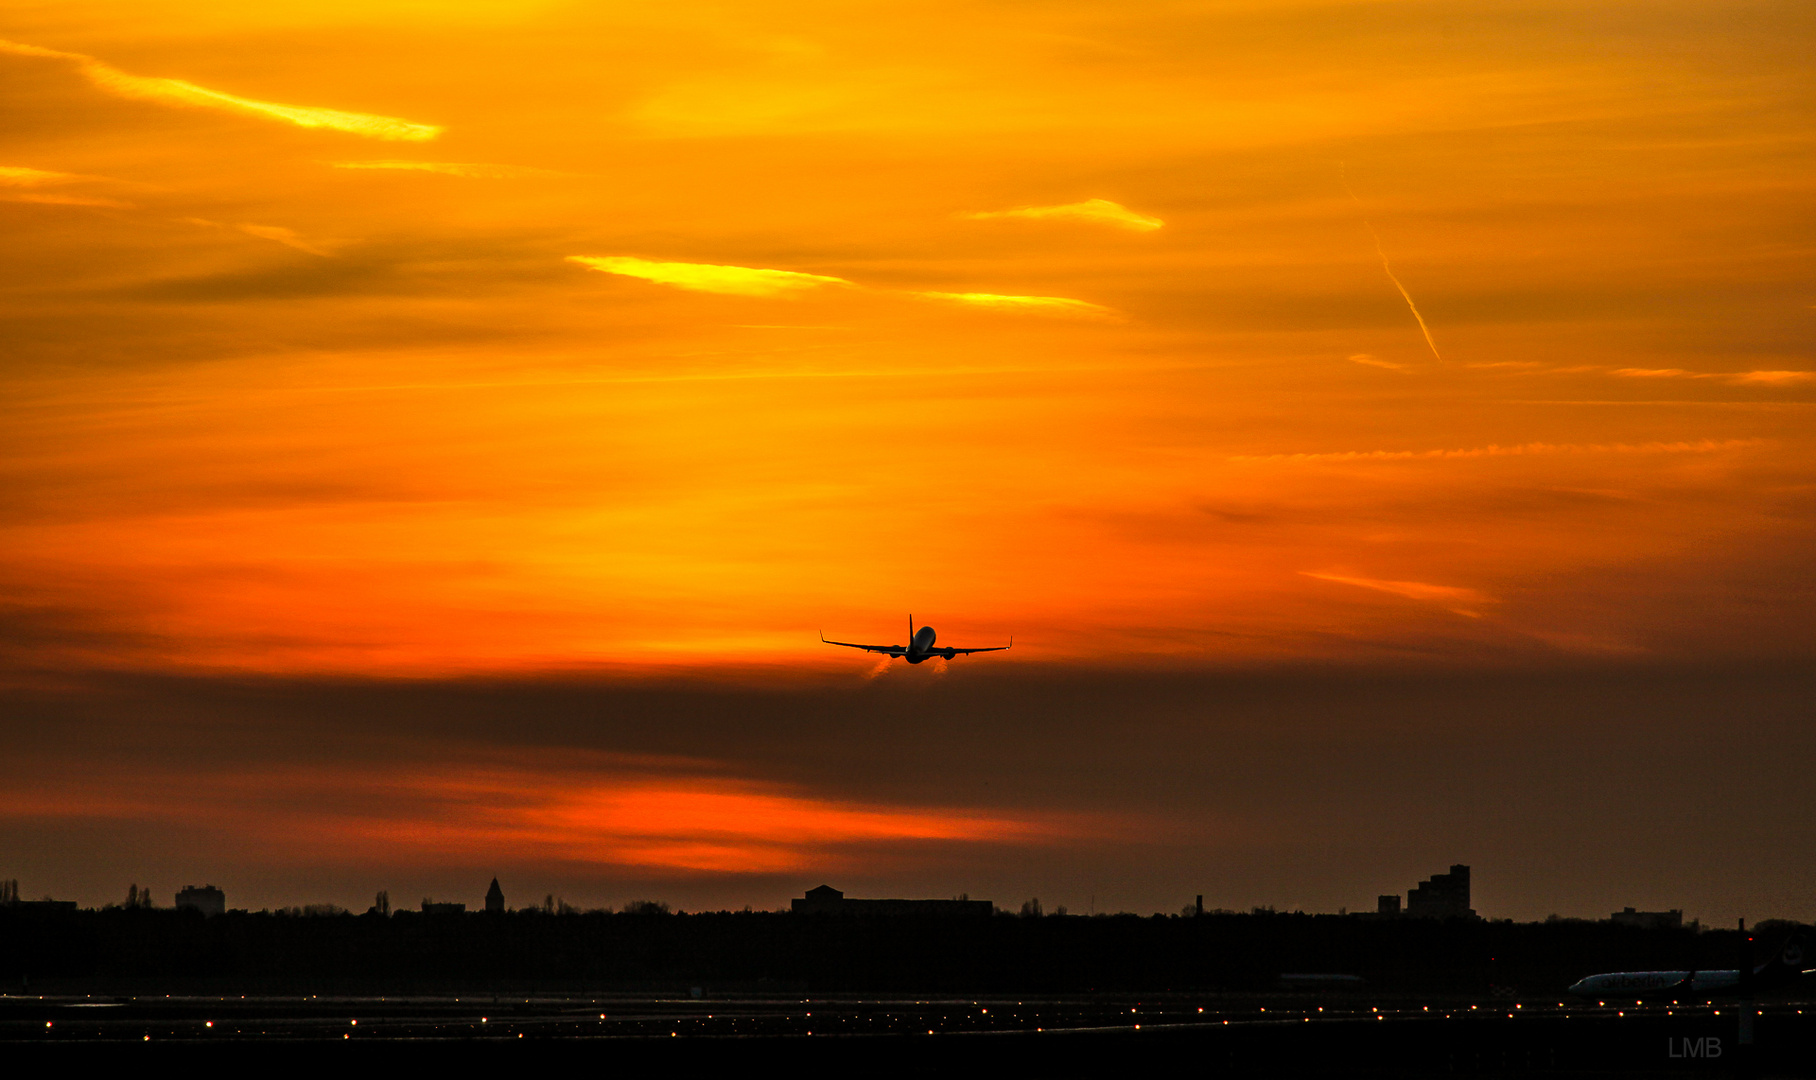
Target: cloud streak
[[1449, 596], [275, 233], [24, 183], [1701, 446], [709, 277], [598, 816], [19, 176], [1375, 361], [1090, 211], [55, 199], [177, 92], [472, 170], [1024, 305], [755, 281], [1736, 378]]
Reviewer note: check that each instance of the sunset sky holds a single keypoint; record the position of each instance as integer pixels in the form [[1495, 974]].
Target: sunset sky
[[435, 435]]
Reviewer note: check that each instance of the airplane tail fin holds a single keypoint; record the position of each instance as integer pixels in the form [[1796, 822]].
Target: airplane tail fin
[[1792, 961], [1795, 953]]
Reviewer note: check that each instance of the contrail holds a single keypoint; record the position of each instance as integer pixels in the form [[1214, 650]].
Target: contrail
[[1385, 266]]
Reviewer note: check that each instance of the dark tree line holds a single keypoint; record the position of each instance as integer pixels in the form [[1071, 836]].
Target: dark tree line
[[647, 948]]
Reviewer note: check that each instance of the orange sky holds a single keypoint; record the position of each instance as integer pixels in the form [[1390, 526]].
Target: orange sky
[[438, 339]]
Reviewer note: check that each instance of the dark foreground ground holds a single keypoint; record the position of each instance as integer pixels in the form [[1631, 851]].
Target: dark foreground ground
[[688, 993], [1215, 1034]]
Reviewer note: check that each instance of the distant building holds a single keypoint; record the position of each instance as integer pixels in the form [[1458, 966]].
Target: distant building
[[1388, 904], [1442, 896], [495, 897], [827, 900], [1649, 920], [208, 900], [433, 907]]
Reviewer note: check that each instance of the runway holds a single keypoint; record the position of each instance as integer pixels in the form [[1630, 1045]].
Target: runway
[[1239, 1034]]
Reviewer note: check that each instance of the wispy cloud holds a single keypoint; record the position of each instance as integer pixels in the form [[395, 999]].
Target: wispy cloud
[[1449, 596], [275, 233], [1736, 378], [18, 176], [1701, 446], [1772, 378], [1732, 378], [473, 170], [754, 281], [1025, 305], [566, 812], [1653, 373], [1093, 211], [1375, 361], [709, 277], [1533, 367], [178, 92], [281, 235], [58, 199], [20, 184]]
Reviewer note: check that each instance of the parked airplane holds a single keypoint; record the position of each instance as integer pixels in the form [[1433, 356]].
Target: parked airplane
[[1782, 971], [920, 646]]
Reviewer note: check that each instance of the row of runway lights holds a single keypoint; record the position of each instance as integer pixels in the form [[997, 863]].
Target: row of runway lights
[[1561, 1006], [1306, 1017]]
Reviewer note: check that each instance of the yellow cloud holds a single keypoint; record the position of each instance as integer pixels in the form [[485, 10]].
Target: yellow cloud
[[178, 92], [1094, 211], [471, 170], [708, 277], [19, 176], [1026, 305], [1448, 595]]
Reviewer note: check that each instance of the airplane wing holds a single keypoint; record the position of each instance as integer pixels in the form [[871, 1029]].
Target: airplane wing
[[994, 648], [892, 650]]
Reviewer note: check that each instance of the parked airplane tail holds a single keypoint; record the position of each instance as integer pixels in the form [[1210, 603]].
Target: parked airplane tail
[[1791, 962]]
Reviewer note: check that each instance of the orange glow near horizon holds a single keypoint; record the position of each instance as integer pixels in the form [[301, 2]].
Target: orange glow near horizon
[[546, 813], [695, 331]]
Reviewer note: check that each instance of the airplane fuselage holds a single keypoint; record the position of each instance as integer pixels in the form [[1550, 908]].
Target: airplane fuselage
[[1657, 984], [920, 646], [1783, 971]]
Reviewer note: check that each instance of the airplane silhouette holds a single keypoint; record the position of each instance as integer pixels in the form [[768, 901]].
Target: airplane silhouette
[[1783, 971], [920, 645]]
